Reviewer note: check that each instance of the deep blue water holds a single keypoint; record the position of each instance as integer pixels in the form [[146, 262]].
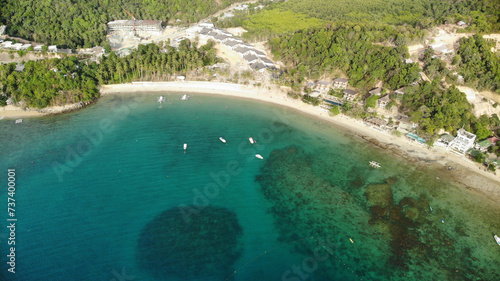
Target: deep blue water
[[89, 184]]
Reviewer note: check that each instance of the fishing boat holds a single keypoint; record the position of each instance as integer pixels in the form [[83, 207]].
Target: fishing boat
[[374, 164], [251, 140], [259, 156], [222, 140], [161, 99], [185, 97], [351, 240], [19, 121], [185, 146], [497, 239]]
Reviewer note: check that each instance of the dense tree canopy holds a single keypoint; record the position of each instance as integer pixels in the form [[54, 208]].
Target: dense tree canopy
[[150, 62], [434, 108], [313, 52], [49, 82], [479, 66], [60, 81], [417, 13], [83, 22]]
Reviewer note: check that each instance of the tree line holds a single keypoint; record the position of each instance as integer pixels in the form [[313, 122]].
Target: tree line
[[52, 82]]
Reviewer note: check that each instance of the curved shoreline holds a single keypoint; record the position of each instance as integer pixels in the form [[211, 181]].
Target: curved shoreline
[[465, 172]]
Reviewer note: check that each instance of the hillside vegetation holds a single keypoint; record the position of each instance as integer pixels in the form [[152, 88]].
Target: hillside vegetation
[[484, 14], [314, 52], [61, 81], [275, 21], [82, 23], [479, 66]]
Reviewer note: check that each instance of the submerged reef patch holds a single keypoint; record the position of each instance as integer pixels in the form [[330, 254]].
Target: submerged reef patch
[[207, 246]]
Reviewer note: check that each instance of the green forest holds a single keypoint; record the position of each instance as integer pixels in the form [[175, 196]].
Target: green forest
[[483, 14], [479, 66], [314, 52], [59, 81], [49, 82], [82, 23]]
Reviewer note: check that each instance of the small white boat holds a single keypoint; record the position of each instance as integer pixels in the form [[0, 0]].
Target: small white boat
[[374, 164], [497, 239], [259, 156], [222, 140], [251, 140], [19, 121], [185, 146], [161, 99], [185, 97]]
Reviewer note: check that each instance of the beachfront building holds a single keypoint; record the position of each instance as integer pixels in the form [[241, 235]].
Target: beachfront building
[[415, 138], [377, 122], [446, 139], [149, 26], [463, 142], [482, 145], [340, 83], [405, 123], [350, 95], [322, 86]]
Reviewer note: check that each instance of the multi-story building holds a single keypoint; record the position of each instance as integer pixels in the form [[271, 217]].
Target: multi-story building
[[463, 142]]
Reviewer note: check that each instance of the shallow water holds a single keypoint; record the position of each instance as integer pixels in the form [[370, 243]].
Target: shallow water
[[90, 183]]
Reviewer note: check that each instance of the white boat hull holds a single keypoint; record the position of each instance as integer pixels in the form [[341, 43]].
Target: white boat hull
[[497, 239], [259, 156], [222, 140], [251, 140], [185, 146]]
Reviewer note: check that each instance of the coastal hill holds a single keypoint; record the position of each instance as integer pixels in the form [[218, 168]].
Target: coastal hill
[[82, 23]]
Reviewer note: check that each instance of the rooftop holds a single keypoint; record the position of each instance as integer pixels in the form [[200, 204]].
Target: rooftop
[[464, 133], [323, 83], [250, 58], [385, 99], [340, 80], [447, 137], [137, 22], [350, 92], [241, 49], [375, 91], [231, 43], [484, 143]]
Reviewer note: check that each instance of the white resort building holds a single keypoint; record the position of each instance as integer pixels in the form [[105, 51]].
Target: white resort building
[[463, 142], [150, 26]]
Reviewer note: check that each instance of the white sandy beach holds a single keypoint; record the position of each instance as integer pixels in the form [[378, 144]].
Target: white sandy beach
[[466, 172]]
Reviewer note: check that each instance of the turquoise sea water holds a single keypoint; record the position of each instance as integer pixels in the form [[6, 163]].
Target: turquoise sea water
[[108, 193]]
